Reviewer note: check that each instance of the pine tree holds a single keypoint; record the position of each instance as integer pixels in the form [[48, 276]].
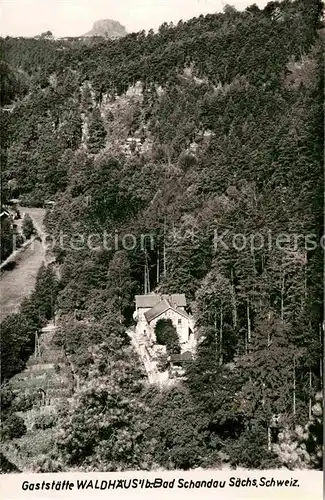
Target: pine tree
[[270, 366], [97, 132], [213, 303], [7, 241]]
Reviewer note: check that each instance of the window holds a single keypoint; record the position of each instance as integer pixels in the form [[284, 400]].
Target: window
[[179, 321]]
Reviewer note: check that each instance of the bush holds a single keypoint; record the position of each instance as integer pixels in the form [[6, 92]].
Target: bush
[[163, 362], [24, 402], [166, 334], [7, 467], [44, 422], [19, 240], [17, 343], [250, 449], [7, 398], [13, 427], [28, 227]]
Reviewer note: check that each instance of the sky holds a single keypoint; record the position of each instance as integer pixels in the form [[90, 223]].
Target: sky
[[75, 17]]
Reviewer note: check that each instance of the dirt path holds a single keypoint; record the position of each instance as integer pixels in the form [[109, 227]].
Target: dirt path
[[19, 282], [142, 348]]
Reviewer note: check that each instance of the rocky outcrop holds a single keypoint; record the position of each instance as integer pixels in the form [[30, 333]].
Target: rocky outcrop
[[107, 28]]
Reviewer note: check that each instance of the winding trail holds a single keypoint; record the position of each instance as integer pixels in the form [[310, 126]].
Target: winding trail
[[142, 348], [19, 282]]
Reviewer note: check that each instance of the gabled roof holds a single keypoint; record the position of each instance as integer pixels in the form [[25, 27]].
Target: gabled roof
[[151, 300], [163, 306], [182, 313], [158, 309], [146, 300], [176, 299]]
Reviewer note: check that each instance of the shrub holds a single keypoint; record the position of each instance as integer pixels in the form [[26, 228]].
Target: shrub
[[166, 334], [17, 343], [186, 161], [44, 421], [163, 362], [7, 398], [57, 368], [13, 427], [250, 449], [24, 402], [7, 467], [27, 227], [19, 240]]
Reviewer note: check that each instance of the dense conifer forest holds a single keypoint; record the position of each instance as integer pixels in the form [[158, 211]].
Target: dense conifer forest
[[206, 128]]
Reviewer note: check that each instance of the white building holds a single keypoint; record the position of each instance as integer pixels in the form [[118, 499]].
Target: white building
[[153, 307]]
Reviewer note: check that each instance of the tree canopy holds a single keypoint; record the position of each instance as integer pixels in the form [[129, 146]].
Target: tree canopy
[[179, 157]]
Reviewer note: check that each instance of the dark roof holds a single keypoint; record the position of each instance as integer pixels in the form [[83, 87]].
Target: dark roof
[[160, 308], [5, 213], [176, 299], [151, 300], [146, 300], [182, 313]]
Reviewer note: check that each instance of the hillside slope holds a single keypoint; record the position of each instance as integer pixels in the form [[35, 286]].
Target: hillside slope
[[182, 157]]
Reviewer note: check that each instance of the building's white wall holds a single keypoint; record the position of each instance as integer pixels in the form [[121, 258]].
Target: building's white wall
[[181, 325], [191, 323], [141, 312], [143, 328], [181, 328]]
